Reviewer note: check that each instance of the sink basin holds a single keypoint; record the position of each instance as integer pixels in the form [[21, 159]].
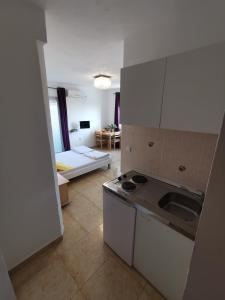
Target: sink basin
[[181, 206]]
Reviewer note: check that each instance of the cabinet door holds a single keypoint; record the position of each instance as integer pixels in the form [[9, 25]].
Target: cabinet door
[[141, 93], [194, 94], [118, 225], [162, 255]]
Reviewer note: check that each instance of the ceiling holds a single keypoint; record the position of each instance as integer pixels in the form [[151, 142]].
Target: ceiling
[[85, 37]]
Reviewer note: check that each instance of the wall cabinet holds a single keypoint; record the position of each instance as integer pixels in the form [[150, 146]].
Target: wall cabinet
[[181, 92], [142, 92], [194, 93], [162, 255]]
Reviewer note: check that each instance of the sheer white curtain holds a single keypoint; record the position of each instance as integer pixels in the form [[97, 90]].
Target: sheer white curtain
[[56, 128]]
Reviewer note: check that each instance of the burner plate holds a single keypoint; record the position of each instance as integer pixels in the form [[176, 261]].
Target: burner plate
[[139, 179], [128, 186]]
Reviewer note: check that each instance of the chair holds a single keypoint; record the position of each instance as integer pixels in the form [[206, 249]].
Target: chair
[[116, 139], [100, 139]]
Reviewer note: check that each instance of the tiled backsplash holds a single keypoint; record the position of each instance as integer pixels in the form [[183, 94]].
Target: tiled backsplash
[[160, 152]]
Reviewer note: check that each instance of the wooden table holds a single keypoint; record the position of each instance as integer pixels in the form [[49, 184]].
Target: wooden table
[[63, 189], [109, 135]]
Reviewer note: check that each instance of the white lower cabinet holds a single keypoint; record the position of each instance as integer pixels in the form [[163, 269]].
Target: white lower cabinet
[[119, 225], [162, 255]]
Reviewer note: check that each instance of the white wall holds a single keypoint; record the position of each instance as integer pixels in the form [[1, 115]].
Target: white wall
[[96, 106], [191, 25], [108, 107], [207, 270], [85, 109], [6, 289], [29, 216]]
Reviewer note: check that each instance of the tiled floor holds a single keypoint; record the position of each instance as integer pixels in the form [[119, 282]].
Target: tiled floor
[[82, 266]]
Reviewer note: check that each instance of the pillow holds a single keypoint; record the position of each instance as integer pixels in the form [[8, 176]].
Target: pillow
[[82, 149]]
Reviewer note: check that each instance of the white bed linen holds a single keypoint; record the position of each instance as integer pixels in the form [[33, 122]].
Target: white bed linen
[[82, 149], [72, 159], [96, 154], [79, 163]]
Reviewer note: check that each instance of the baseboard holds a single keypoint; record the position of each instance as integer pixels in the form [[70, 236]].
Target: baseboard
[[29, 259]]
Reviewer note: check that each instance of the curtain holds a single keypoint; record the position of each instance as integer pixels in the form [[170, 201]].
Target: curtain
[[61, 92], [117, 111], [56, 126]]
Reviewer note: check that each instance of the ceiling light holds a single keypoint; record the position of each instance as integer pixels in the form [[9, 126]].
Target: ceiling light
[[102, 82]]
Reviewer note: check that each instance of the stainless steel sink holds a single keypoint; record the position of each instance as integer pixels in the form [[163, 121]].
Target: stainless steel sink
[[181, 206]]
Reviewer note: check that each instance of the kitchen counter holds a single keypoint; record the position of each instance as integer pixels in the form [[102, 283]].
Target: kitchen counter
[[148, 197]]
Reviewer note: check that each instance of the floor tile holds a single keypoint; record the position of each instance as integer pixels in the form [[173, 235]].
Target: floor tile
[[31, 267], [88, 215], [82, 266], [94, 194], [85, 258], [73, 232], [150, 293], [111, 282], [90, 220], [136, 275], [52, 282]]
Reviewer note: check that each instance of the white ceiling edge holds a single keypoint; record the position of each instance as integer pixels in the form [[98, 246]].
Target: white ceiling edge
[[85, 37], [78, 87]]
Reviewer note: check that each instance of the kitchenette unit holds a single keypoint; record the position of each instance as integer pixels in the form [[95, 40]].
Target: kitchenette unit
[[172, 110], [151, 225]]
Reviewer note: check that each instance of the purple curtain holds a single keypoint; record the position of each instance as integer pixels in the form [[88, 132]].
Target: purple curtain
[[117, 111], [61, 92]]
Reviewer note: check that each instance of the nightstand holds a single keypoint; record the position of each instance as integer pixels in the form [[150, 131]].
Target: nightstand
[[63, 189]]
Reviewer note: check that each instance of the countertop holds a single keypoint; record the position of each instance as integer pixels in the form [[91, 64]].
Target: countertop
[[148, 197]]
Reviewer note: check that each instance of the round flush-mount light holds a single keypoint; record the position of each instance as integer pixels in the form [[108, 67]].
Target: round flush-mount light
[[102, 82]]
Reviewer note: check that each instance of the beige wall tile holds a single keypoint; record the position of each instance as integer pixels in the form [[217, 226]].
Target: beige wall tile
[[170, 150]]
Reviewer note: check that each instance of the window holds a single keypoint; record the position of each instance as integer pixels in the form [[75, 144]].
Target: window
[[56, 128]]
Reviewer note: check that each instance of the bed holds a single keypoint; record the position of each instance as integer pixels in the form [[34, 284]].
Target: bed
[[80, 160]]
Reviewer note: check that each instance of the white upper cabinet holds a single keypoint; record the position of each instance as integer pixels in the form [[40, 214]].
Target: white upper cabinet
[[142, 92], [194, 93]]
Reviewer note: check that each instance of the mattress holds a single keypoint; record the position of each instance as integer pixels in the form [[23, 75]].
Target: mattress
[[78, 164], [72, 159], [90, 153]]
